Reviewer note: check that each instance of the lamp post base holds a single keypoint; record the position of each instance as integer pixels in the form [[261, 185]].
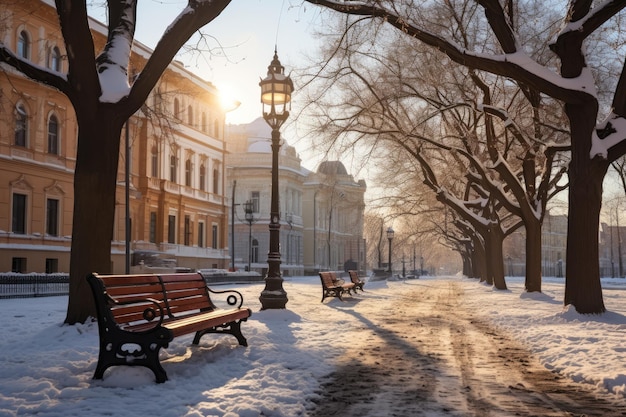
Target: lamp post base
[[273, 296]]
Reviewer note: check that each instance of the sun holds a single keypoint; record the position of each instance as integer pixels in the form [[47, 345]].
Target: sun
[[228, 99]]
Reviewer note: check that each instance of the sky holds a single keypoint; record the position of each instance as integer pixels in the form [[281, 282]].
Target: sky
[[242, 40], [47, 367], [247, 32]]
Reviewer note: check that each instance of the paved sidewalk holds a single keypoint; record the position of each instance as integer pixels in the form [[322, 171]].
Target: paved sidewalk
[[428, 356]]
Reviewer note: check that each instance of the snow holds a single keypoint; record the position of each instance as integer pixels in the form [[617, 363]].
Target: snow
[[600, 146], [113, 74], [47, 367]]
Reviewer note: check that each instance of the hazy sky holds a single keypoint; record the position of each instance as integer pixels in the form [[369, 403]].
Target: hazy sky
[[247, 31]]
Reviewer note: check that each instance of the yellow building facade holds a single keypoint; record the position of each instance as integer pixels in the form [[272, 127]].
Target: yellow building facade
[[177, 210]]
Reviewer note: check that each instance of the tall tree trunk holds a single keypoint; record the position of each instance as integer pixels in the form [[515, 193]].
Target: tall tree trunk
[[495, 258], [533, 255], [479, 260], [467, 265], [95, 180], [582, 279]]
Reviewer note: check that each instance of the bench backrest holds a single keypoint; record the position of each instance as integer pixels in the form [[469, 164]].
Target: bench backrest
[[177, 294], [327, 279], [354, 276]]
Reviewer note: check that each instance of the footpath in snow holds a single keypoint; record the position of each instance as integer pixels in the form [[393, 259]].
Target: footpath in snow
[[294, 353]]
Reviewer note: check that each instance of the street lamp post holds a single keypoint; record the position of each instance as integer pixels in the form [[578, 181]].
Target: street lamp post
[[248, 208], [276, 91], [390, 234]]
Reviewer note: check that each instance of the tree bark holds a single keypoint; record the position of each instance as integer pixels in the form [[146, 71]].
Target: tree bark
[[495, 258], [95, 181], [582, 280], [533, 255], [582, 277]]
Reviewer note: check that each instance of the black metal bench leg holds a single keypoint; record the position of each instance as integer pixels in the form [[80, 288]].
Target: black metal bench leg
[[234, 328], [113, 353]]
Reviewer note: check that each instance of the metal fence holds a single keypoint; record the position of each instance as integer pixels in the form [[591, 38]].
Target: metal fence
[[33, 285]]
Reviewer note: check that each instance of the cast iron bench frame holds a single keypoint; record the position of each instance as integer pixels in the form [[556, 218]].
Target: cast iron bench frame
[[354, 277], [140, 314], [333, 286]]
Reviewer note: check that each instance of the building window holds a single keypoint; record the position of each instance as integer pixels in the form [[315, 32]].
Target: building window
[[216, 129], [215, 240], [173, 168], [187, 236], [153, 224], [18, 265], [200, 235], [255, 197], [190, 115], [202, 177], [171, 229], [52, 217], [204, 127], [176, 108], [255, 251], [23, 45], [154, 162], [18, 224], [54, 59], [188, 172], [21, 126], [52, 265], [53, 135], [216, 181]]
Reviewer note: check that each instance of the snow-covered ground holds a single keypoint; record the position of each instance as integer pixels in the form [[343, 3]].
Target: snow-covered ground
[[46, 367]]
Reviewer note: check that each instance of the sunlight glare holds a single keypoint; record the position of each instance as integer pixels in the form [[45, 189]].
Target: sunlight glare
[[228, 99]]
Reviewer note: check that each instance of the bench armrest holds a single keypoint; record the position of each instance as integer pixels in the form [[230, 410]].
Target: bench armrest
[[235, 297]]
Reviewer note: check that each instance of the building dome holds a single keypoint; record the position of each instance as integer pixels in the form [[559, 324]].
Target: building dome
[[260, 146], [332, 168]]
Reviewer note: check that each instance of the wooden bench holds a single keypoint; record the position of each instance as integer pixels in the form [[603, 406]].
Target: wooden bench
[[354, 277], [333, 286], [140, 314]]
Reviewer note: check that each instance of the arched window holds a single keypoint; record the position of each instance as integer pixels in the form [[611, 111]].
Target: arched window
[[53, 135], [23, 45], [216, 181], [176, 108], [190, 115], [216, 129], [188, 172], [21, 125], [54, 59], [202, 177], [158, 99], [173, 167], [154, 156]]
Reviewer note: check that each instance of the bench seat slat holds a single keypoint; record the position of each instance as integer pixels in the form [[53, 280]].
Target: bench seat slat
[[194, 322]]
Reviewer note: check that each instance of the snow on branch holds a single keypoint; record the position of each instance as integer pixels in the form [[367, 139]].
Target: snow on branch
[[112, 64], [609, 133], [516, 64]]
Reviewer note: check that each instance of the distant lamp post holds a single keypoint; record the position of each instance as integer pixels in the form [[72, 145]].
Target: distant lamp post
[[248, 208], [390, 234], [276, 91]]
